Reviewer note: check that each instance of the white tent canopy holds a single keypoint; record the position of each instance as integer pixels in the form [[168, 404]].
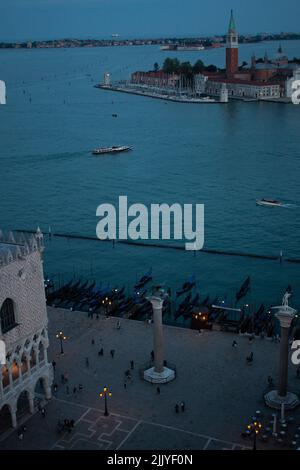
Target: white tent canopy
[[2, 92]]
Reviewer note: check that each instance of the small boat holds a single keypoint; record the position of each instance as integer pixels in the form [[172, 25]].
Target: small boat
[[243, 290], [144, 280], [114, 149], [268, 202]]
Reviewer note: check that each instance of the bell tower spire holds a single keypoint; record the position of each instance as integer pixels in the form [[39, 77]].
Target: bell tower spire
[[232, 48]]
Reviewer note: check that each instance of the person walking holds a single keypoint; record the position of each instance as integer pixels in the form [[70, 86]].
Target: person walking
[[80, 387], [93, 342], [74, 391], [131, 365], [55, 387], [112, 353], [182, 406], [100, 353], [54, 365], [87, 362], [234, 344], [125, 385], [43, 411], [176, 408], [158, 390]]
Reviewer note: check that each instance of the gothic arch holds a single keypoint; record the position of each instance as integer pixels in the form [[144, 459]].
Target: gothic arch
[[23, 404], [7, 315], [5, 417]]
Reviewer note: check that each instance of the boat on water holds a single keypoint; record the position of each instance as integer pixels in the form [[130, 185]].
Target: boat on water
[[114, 149], [268, 202]]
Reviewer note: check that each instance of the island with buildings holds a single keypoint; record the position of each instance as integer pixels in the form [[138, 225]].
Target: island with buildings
[[166, 43], [268, 79]]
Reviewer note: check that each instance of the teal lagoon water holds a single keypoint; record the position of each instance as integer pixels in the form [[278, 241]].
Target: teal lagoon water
[[223, 156]]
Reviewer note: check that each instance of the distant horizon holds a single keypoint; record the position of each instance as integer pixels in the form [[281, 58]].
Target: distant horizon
[[132, 37], [30, 20]]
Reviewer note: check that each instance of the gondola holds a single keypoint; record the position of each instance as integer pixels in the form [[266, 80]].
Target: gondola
[[187, 286], [144, 280], [243, 290]]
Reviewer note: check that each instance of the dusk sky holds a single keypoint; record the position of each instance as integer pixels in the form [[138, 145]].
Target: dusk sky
[[42, 19]]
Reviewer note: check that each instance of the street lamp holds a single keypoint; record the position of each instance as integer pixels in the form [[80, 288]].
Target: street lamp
[[62, 338], [254, 428], [106, 304], [104, 394]]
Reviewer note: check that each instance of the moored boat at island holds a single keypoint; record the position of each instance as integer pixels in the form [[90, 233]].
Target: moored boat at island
[[114, 149]]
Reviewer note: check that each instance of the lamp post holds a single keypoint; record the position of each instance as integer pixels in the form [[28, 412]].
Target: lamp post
[[104, 394], [254, 429], [62, 338], [106, 304]]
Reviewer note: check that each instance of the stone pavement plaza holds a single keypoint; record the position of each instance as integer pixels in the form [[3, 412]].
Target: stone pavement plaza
[[220, 390]]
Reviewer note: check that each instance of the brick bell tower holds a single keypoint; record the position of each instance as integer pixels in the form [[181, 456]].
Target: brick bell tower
[[232, 49]]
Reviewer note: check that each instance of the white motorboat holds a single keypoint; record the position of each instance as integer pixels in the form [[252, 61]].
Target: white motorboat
[[268, 203]]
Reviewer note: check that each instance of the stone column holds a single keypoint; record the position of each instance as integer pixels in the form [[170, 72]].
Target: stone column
[[159, 373], [13, 417], [281, 396], [284, 355], [31, 404], [158, 341]]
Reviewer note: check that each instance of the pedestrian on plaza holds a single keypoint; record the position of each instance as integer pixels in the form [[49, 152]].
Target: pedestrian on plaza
[[158, 390], [54, 365], [80, 387], [112, 352], [251, 338], [67, 390], [125, 385], [55, 387], [87, 362], [118, 325], [93, 342], [74, 391], [152, 355], [250, 358], [72, 423], [176, 408], [182, 406], [131, 365], [62, 378], [100, 353], [270, 381], [234, 344], [43, 411]]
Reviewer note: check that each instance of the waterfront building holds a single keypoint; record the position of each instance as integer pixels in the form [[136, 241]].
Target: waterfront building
[[27, 375], [155, 79], [291, 80]]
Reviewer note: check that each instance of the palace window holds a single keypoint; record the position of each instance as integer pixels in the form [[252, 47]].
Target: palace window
[[7, 316]]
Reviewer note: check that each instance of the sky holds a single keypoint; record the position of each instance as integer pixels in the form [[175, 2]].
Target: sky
[[43, 19]]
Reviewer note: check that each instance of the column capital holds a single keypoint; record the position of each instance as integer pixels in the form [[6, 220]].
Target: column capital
[[285, 315], [156, 302]]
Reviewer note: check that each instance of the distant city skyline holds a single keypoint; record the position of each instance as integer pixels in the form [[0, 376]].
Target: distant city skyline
[[22, 20]]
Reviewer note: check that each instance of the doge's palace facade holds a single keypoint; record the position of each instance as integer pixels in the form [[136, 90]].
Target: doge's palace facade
[[27, 375]]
